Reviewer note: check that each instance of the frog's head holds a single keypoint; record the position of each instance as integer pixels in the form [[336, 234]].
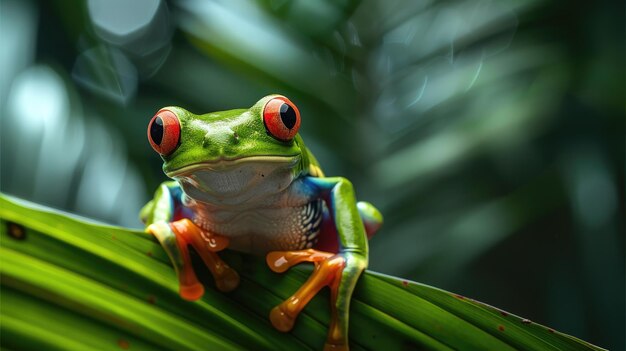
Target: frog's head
[[223, 154]]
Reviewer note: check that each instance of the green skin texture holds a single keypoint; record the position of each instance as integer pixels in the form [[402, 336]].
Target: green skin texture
[[239, 134]]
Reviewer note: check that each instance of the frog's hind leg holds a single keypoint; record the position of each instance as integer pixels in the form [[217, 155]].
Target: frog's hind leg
[[372, 221], [330, 270], [176, 237], [371, 217]]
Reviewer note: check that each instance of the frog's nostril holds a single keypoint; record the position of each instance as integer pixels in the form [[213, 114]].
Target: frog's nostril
[[205, 141]]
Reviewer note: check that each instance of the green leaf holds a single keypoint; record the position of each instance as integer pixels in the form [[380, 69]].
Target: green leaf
[[72, 284]]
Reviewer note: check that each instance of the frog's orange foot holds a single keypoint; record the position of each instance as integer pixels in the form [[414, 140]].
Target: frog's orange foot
[[191, 291], [186, 233], [281, 261], [328, 272], [336, 347]]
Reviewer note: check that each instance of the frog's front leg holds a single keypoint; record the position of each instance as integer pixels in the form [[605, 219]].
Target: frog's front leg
[[339, 271], [177, 234]]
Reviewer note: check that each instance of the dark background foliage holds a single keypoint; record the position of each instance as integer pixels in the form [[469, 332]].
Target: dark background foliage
[[489, 133]]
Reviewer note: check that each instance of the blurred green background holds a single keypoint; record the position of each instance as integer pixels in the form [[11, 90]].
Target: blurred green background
[[489, 133]]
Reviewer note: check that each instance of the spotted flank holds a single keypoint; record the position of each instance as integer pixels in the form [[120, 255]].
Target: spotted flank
[[311, 221]]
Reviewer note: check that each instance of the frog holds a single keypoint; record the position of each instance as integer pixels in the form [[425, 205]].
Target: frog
[[244, 180]]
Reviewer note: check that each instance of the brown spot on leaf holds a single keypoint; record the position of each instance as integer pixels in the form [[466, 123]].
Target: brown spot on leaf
[[551, 330], [123, 344], [16, 231], [501, 328], [149, 253], [151, 299], [460, 297], [405, 283], [408, 345], [504, 314]]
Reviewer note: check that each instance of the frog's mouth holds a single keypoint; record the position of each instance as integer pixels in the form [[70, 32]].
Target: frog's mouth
[[224, 165], [232, 181]]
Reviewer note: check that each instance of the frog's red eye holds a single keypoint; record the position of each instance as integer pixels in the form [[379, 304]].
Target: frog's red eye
[[164, 132], [281, 118]]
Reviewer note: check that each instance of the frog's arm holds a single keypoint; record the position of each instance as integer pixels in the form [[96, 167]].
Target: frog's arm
[[158, 213], [163, 206]]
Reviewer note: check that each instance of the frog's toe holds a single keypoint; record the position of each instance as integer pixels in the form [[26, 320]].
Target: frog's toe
[[281, 320], [281, 261], [191, 292], [336, 347], [227, 280]]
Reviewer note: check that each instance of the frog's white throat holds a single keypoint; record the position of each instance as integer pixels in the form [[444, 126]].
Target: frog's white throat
[[236, 182]]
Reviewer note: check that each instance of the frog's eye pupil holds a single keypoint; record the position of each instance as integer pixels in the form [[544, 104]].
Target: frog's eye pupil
[[164, 132], [156, 130], [288, 116], [281, 118]]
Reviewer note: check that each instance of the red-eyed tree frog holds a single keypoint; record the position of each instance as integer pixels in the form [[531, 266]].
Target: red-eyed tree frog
[[243, 179]]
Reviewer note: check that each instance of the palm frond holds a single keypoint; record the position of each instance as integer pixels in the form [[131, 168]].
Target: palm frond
[[70, 284]]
